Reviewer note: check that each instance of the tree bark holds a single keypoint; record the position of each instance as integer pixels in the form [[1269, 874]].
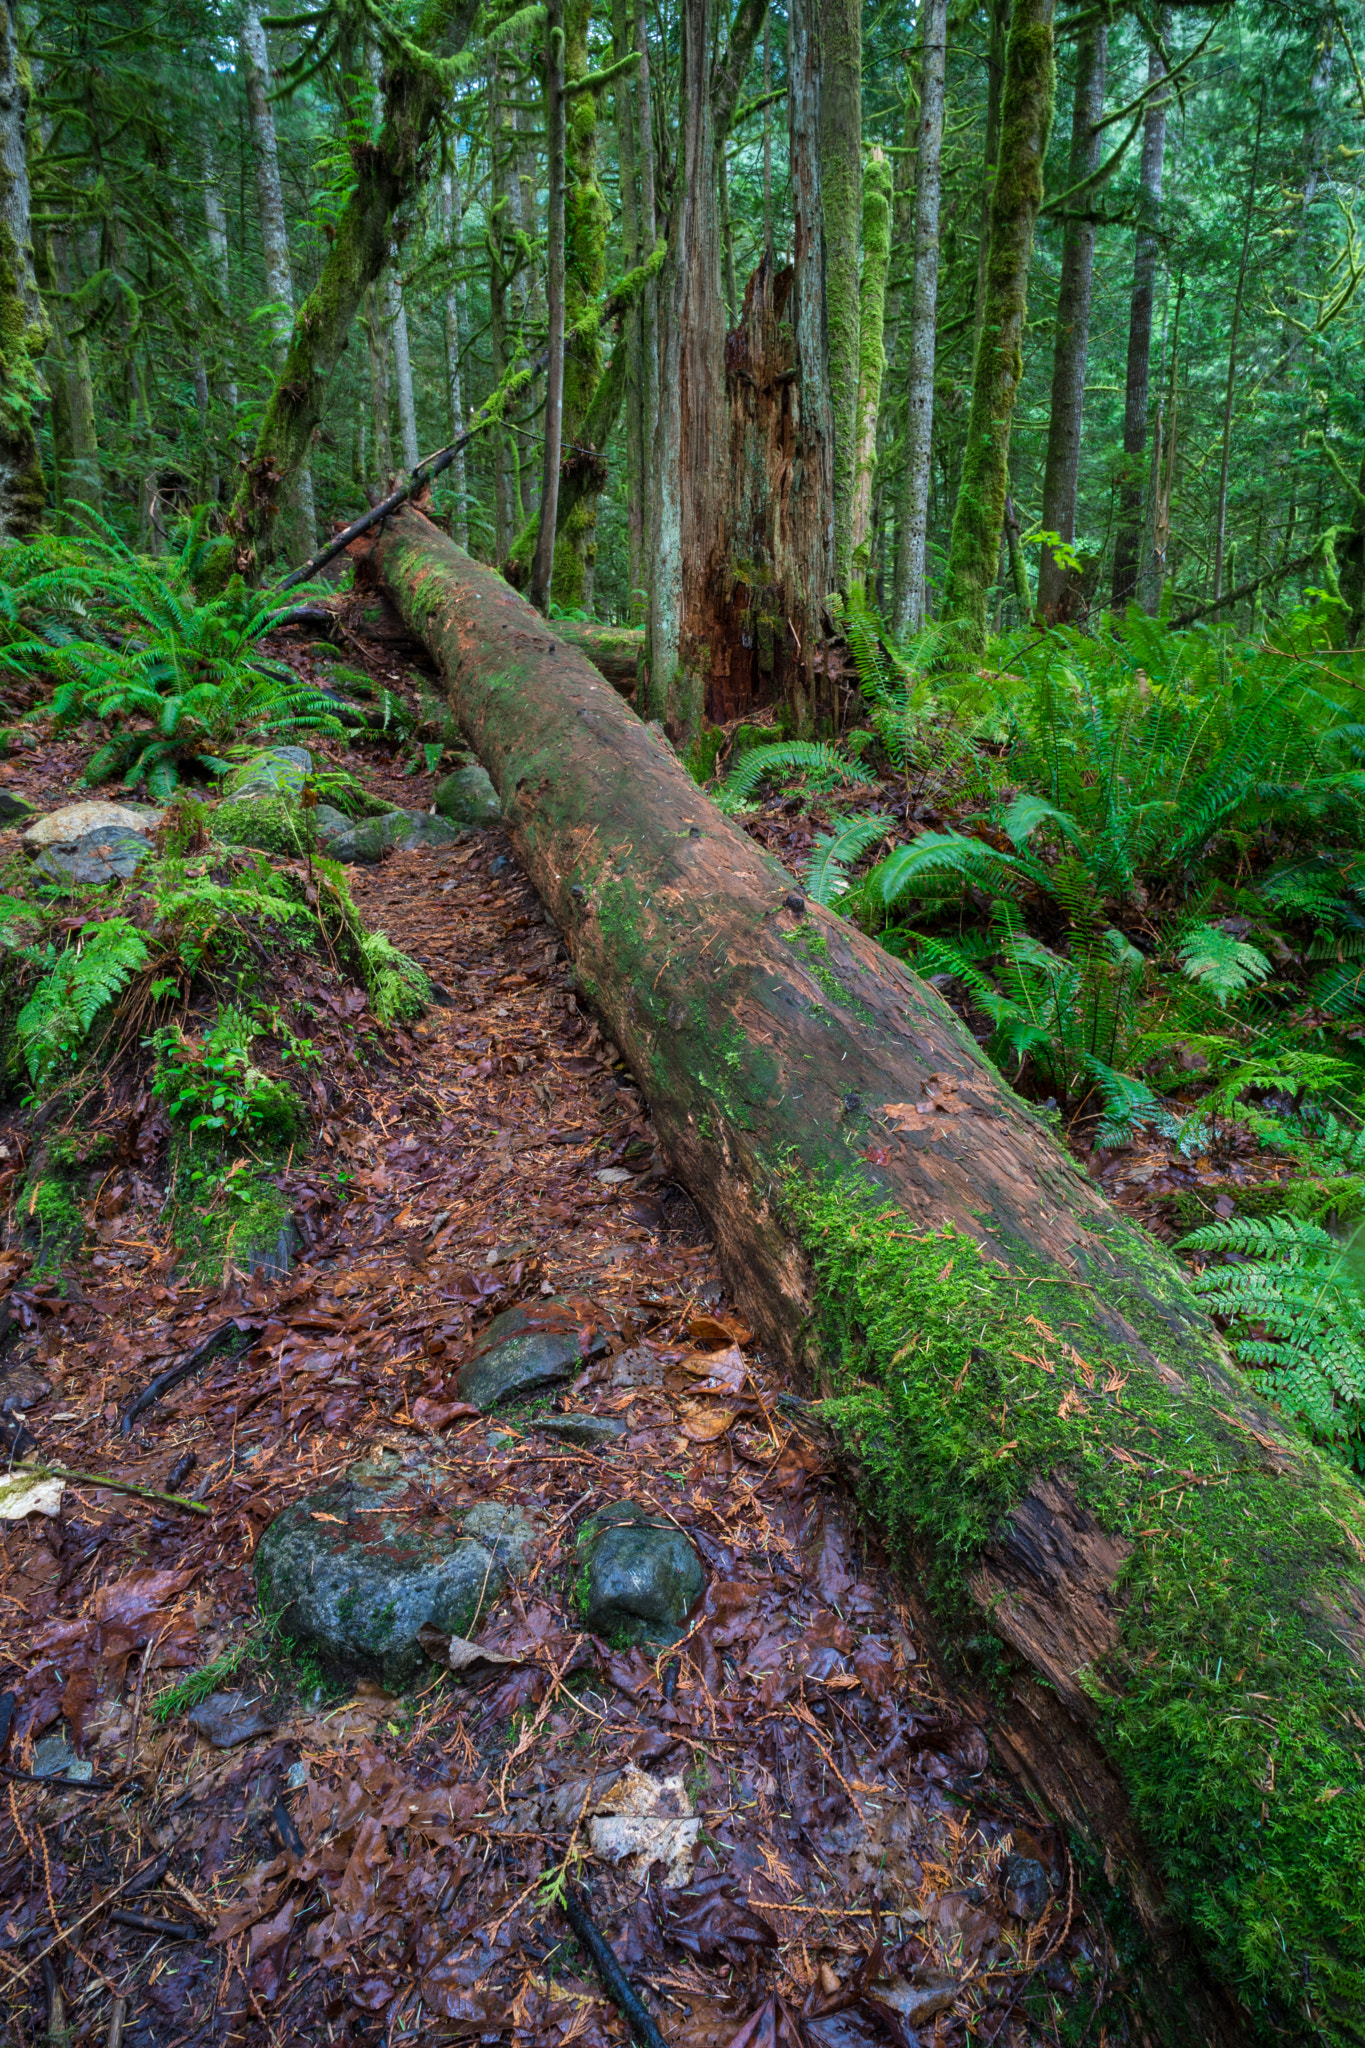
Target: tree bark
[[1163, 1578], [23, 323], [912, 509], [871, 351], [649, 304], [1220, 529], [542, 567], [1146, 252], [279, 277], [387, 172], [625, 100], [1059, 588], [453, 209], [1025, 119], [396, 314], [841, 182], [807, 690], [215, 224], [377, 346]]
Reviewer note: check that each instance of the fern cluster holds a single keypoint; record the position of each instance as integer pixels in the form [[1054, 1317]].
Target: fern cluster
[[1295, 1313], [79, 984], [822, 767]]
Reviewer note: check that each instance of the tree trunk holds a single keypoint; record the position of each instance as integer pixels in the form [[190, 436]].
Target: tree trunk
[[542, 567], [387, 172], [871, 351], [215, 224], [912, 509], [1025, 118], [691, 560], [279, 278], [997, 32], [625, 99], [1220, 529], [841, 185], [453, 209], [1146, 252], [1163, 1579], [377, 345], [23, 324], [807, 688], [396, 314], [1059, 588], [500, 273], [649, 304]]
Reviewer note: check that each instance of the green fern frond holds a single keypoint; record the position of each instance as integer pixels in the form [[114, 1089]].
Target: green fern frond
[[1221, 963], [825, 875], [764, 764], [55, 1021]]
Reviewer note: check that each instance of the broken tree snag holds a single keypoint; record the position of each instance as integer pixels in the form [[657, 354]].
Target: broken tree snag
[[1155, 1581]]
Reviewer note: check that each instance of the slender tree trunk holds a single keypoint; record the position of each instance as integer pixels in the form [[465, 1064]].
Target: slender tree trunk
[[396, 313], [23, 323], [377, 339], [841, 182], [499, 276], [1059, 587], [1025, 118], [767, 135], [871, 351], [542, 568], [727, 235], [808, 693], [1221, 516], [998, 21], [1160, 1572], [452, 208], [279, 281], [215, 222], [649, 304], [912, 510], [626, 97], [1146, 252]]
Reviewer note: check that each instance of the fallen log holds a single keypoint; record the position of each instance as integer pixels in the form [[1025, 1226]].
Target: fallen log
[[1152, 1579], [614, 651]]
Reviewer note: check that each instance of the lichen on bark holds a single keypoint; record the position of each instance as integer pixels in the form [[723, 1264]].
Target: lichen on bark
[[871, 350]]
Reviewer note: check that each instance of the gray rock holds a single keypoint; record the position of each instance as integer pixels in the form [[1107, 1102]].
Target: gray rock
[[355, 1581], [54, 1757], [270, 1257], [468, 798], [589, 1432], [644, 1575], [520, 1355], [113, 855], [505, 1531], [227, 1718], [329, 823], [14, 809], [75, 821], [369, 839], [280, 770], [1026, 1887]]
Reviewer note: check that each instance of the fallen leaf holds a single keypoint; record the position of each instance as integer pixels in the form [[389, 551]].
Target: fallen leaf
[[701, 1422], [772, 2026], [648, 1820], [457, 1653], [29, 1493]]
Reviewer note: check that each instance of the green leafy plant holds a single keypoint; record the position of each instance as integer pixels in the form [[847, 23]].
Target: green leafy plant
[[197, 1685], [820, 765], [1289, 1292], [825, 875], [212, 1085], [80, 982], [1221, 963]]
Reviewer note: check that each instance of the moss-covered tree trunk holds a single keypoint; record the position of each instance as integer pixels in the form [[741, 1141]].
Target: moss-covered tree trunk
[[387, 172], [23, 324], [871, 351], [912, 504], [1159, 1580], [1059, 587], [1128, 539], [978, 517], [841, 183]]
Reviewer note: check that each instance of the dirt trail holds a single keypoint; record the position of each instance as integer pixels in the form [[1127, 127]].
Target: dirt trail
[[796, 1806]]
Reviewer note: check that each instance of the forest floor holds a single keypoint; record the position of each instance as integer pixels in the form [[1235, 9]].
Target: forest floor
[[810, 1844]]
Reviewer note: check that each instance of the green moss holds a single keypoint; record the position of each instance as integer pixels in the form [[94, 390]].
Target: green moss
[[54, 1224], [702, 753], [814, 949], [959, 1383], [224, 1212], [268, 824]]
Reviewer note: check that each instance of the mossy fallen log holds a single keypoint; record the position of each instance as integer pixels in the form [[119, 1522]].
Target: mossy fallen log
[[1155, 1582], [614, 651]]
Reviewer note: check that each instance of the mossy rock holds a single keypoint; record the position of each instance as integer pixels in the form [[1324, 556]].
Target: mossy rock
[[283, 769], [468, 798], [639, 1575], [349, 1577], [266, 823]]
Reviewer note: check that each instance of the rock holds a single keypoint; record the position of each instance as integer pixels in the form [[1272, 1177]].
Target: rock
[[14, 809], [468, 798], [54, 1757], [91, 843], [327, 822], [642, 1575], [270, 1256], [266, 820], [278, 769], [505, 1531], [1026, 1887], [94, 858], [355, 1581], [369, 839], [227, 1718], [73, 821], [520, 1354], [589, 1432]]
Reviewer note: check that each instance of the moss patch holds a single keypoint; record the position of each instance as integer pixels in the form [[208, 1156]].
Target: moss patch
[[268, 824], [958, 1383]]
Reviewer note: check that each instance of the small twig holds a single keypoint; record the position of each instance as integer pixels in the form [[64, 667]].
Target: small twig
[[223, 1339], [619, 1987], [174, 1500], [143, 1923]]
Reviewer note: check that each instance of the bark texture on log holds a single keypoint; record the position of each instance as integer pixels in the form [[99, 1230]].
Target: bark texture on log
[[1163, 1581]]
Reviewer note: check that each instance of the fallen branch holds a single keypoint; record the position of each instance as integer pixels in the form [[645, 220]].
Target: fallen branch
[[173, 1500], [1218, 604], [619, 1987], [220, 1340]]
